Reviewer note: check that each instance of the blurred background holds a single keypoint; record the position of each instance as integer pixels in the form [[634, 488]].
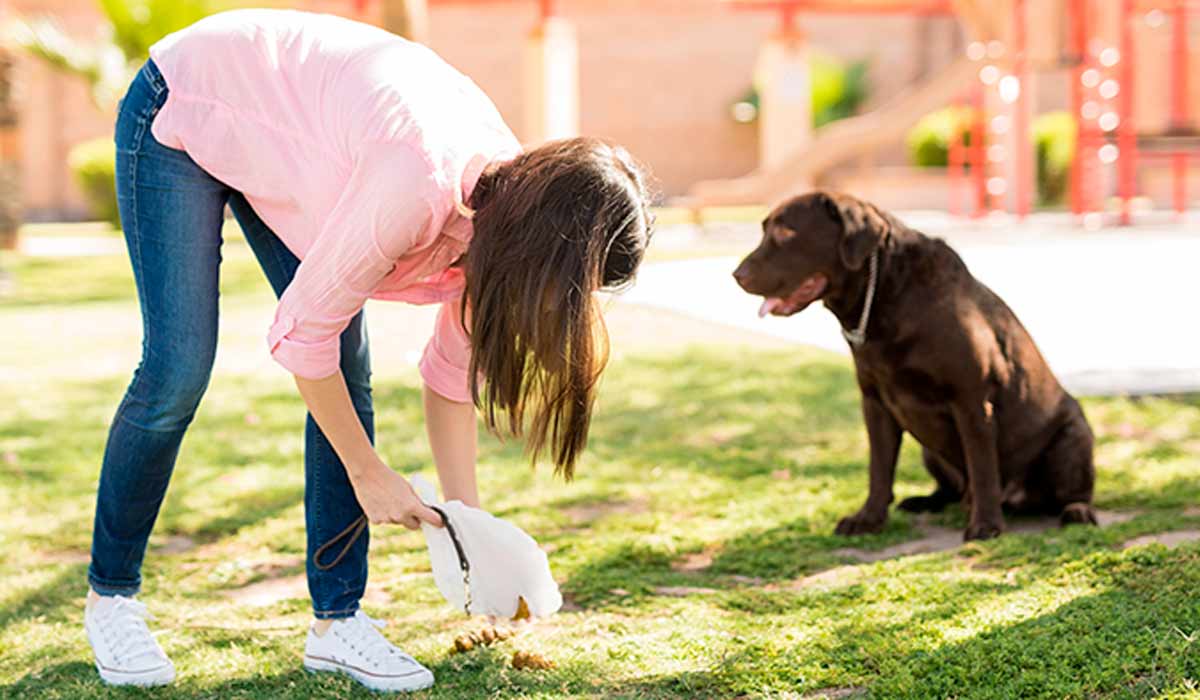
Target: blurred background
[[962, 105]]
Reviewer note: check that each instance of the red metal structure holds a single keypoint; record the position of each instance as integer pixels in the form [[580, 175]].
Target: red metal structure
[[1095, 137], [1102, 98]]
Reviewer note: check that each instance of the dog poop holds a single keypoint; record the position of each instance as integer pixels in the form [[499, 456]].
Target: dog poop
[[531, 661], [484, 637]]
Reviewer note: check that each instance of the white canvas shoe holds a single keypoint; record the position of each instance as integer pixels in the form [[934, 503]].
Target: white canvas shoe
[[355, 646], [126, 651]]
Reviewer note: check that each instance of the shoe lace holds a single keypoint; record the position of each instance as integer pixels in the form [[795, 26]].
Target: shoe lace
[[365, 638], [129, 635]]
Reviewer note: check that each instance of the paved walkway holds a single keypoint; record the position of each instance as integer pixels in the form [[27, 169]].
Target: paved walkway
[[1114, 311]]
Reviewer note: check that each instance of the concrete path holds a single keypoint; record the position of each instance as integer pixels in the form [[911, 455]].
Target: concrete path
[[1114, 311]]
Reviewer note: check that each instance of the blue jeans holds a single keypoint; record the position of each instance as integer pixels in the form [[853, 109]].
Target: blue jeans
[[172, 212]]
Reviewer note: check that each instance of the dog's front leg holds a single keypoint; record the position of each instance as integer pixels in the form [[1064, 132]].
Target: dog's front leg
[[977, 430], [884, 435]]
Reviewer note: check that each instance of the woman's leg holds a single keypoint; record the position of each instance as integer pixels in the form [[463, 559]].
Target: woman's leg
[[329, 501], [171, 212]]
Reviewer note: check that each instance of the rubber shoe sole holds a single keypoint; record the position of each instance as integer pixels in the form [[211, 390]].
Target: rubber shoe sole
[[163, 675], [417, 680]]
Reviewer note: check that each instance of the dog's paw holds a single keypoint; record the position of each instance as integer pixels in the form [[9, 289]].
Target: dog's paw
[[861, 523], [932, 503], [1078, 513], [984, 530]]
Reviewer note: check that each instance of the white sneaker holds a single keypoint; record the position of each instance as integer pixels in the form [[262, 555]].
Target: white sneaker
[[354, 646], [126, 652]]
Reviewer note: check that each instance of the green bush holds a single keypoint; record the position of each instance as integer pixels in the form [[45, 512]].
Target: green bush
[[1054, 135], [929, 141], [94, 164], [838, 90]]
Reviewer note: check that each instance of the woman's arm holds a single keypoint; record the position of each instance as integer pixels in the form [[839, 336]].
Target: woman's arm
[[452, 438], [385, 496]]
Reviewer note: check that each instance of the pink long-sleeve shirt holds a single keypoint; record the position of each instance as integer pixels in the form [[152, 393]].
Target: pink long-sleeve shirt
[[357, 148]]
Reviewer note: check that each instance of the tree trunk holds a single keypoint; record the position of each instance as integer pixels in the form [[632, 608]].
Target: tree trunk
[[408, 18], [10, 183]]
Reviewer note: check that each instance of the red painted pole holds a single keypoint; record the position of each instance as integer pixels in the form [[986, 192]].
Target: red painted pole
[[1078, 16], [1126, 135], [956, 166], [787, 20], [1021, 113], [979, 149], [1179, 100]]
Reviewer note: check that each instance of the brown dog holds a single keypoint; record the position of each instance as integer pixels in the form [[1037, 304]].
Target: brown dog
[[937, 355]]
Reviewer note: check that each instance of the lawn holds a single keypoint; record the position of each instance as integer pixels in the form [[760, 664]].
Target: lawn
[[694, 548]]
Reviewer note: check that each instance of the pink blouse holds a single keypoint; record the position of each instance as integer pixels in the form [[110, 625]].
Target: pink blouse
[[357, 148]]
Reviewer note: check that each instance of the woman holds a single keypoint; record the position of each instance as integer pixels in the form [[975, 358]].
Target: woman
[[359, 166]]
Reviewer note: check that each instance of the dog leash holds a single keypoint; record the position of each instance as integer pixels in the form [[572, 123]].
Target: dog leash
[[359, 526]]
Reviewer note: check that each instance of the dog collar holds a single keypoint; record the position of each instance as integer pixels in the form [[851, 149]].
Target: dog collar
[[858, 336]]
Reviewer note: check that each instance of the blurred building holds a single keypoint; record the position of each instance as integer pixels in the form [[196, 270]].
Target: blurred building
[[659, 76]]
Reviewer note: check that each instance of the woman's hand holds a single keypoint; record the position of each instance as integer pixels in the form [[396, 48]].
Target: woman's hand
[[384, 495], [387, 497]]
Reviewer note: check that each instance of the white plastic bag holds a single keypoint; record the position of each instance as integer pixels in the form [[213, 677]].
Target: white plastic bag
[[505, 562]]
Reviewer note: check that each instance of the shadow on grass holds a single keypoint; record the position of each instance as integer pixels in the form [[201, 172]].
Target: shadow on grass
[[1135, 638], [53, 600], [722, 416]]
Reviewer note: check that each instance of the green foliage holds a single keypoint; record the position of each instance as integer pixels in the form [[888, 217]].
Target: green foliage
[[138, 24], [94, 165], [838, 91], [929, 141], [109, 62], [1054, 134]]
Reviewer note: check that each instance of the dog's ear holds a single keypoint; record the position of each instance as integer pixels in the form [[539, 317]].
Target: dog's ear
[[863, 228]]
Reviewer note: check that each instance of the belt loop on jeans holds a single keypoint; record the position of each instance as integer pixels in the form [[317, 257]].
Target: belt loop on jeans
[[150, 68]]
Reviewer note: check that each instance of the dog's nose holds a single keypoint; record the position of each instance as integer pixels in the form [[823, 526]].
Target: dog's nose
[[741, 275]]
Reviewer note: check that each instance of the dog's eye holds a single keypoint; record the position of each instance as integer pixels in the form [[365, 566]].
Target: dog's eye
[[780, 235]]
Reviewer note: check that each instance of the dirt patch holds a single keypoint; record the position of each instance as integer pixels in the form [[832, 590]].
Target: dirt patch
[[940, 539], [1192, 512], [177, 544], [834, 694], [65, 556], [1113, 517], [1168, 539], [933, 539], [589, 512], [696, 561], [270, 591], [682, 591], [273, 590], [830, 578]]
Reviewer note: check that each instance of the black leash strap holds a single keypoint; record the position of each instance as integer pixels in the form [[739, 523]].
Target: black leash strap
[[356, 529], [463, 563], [353, 532]]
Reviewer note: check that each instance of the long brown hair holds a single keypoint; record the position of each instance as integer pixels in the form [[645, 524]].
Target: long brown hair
[[552, 226]]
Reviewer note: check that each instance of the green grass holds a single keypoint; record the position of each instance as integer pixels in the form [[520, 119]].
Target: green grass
[[738, 458]]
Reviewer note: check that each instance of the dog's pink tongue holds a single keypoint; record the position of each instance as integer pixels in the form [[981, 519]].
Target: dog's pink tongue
[[769, 304]]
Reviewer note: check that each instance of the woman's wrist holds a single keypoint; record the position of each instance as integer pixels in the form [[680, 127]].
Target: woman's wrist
[[358, 469]]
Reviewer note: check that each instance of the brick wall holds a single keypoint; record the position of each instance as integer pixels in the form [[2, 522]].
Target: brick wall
[[658, 77]]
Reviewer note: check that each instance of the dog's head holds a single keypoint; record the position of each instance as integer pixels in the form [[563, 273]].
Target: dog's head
[[811, 245]]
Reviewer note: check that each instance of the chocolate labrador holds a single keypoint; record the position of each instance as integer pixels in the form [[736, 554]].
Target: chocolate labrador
[[937, 355]]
